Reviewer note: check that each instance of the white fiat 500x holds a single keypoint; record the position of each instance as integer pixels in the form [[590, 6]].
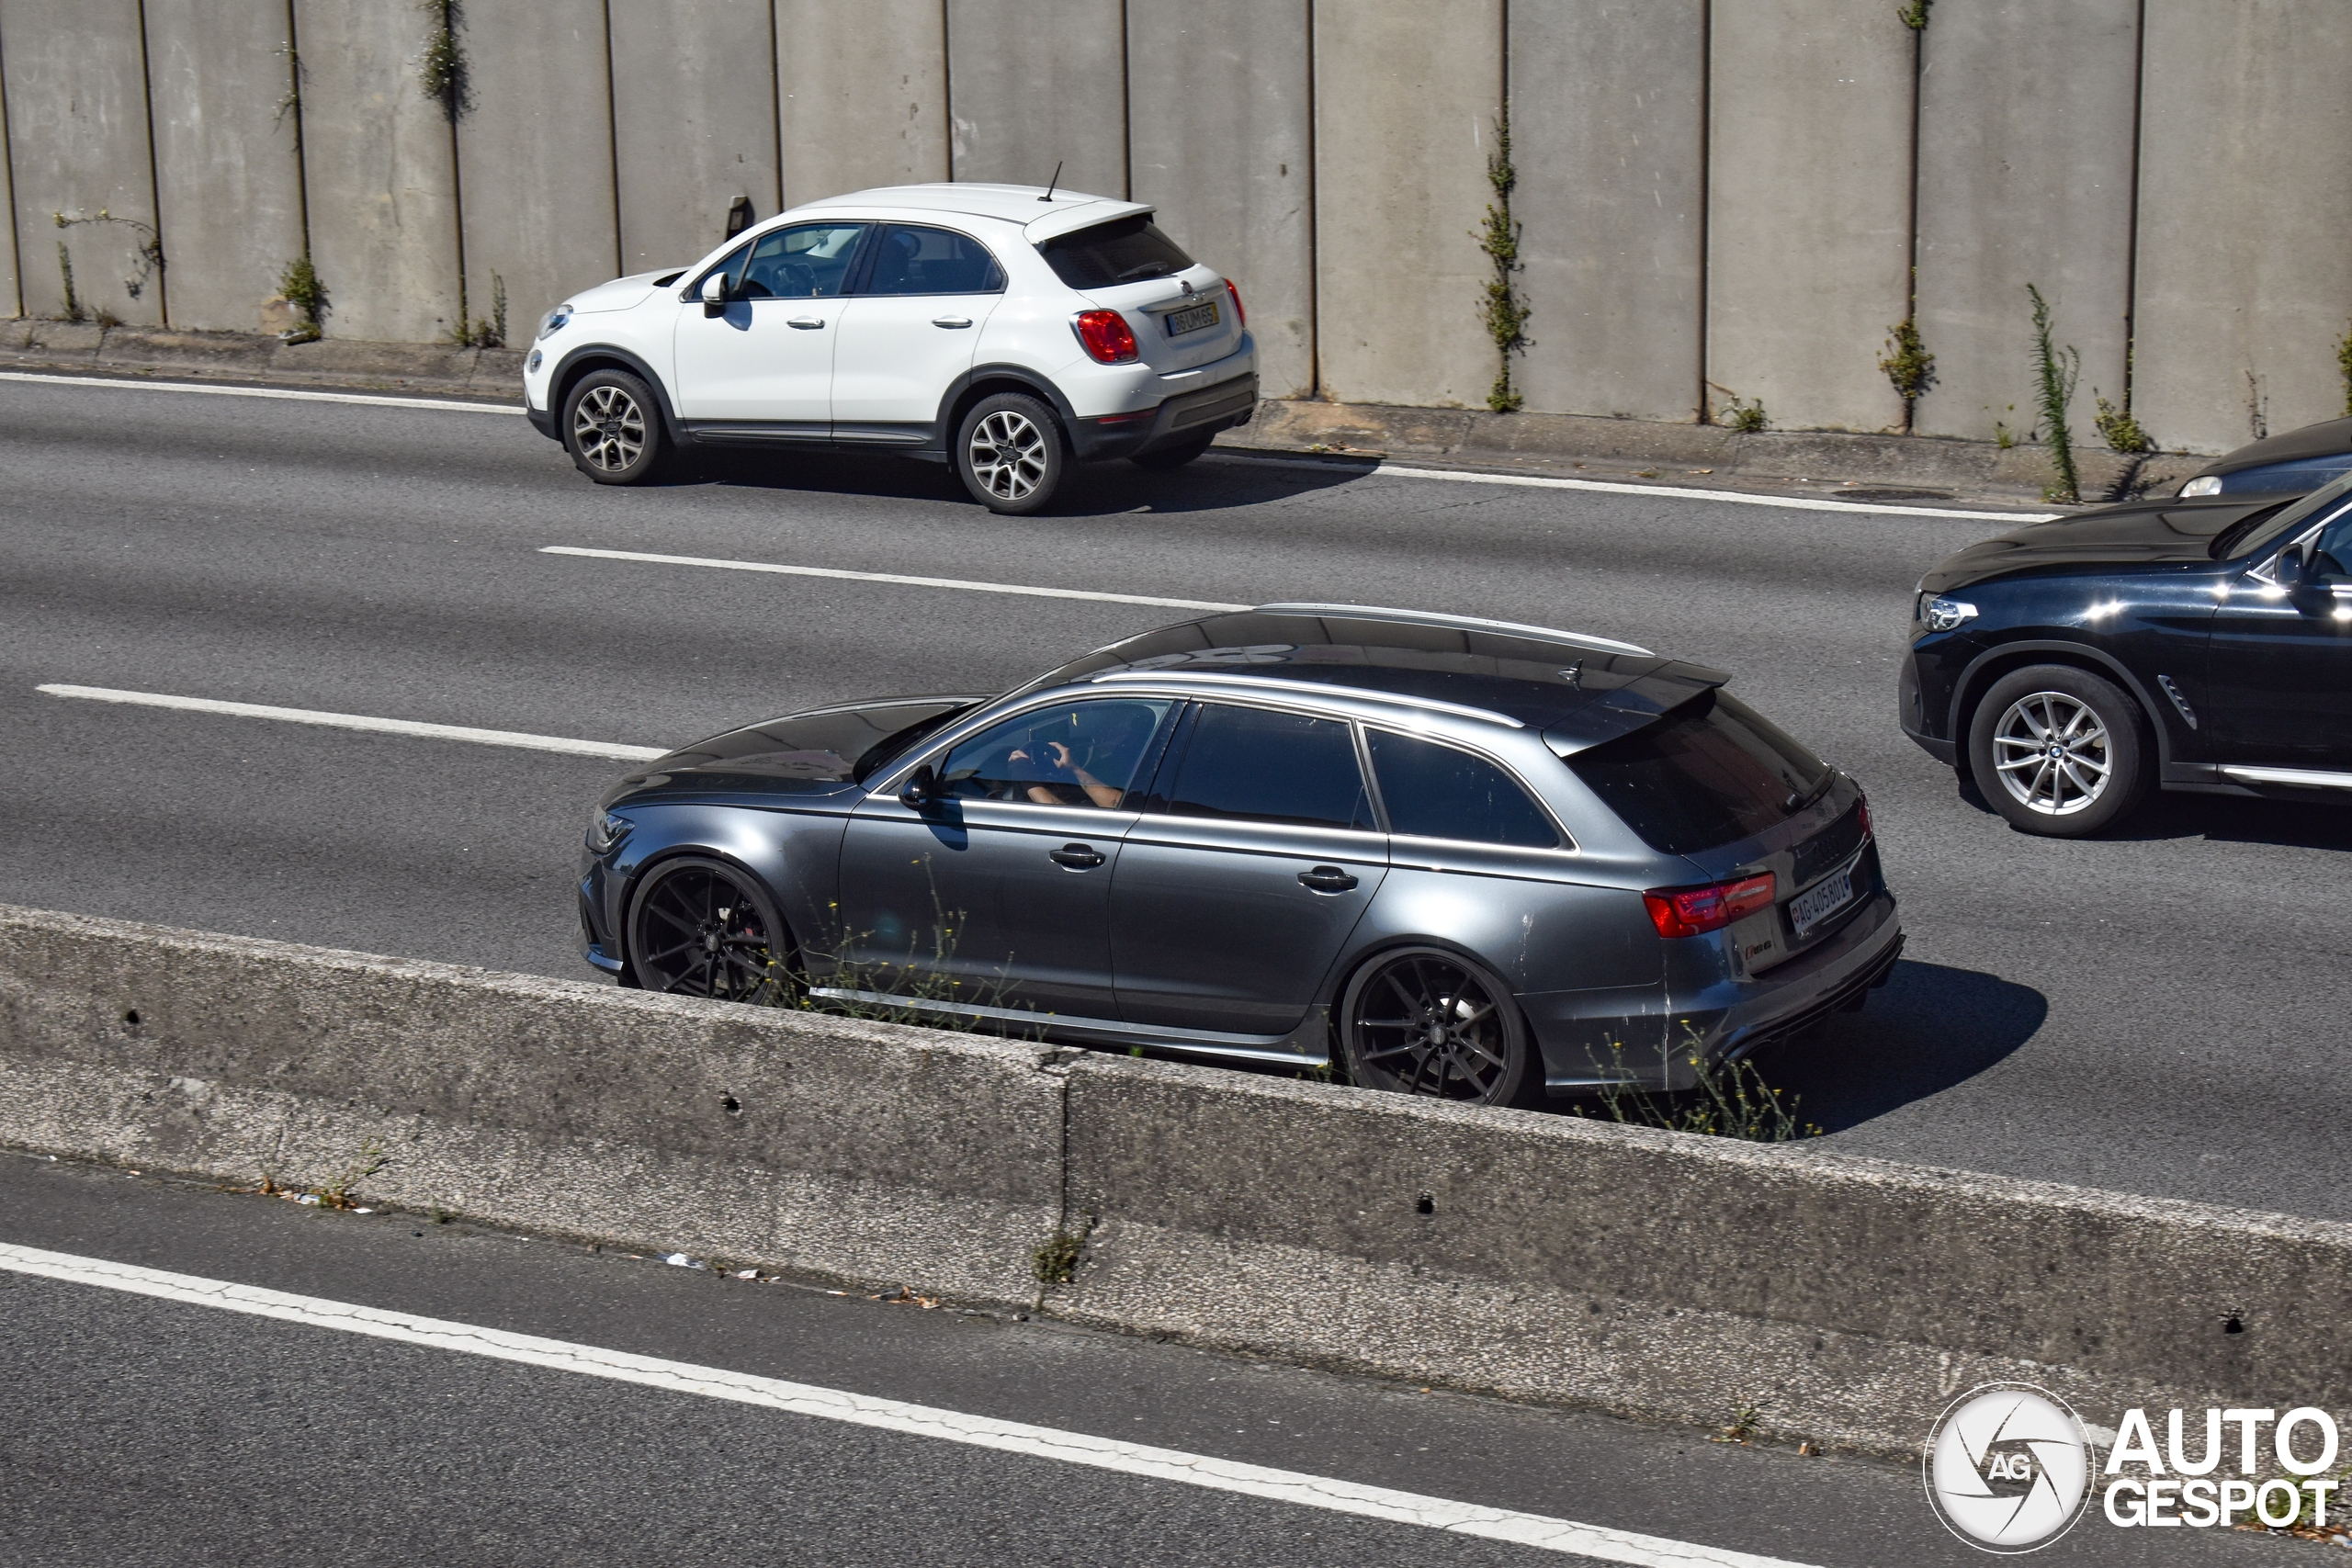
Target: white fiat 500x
[[1008, 329]]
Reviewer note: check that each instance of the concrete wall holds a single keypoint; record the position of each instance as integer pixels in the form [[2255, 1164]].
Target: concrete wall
[[535, 157], [1545, 1257], [2025, 176], [1400, 183], [1036, 82], [77, 122], [694, 117], [861, 95], [2245, 196], [228, 176], [1221, 95], [1809, 191], [379, 163], [1609, 117], [10, 298]]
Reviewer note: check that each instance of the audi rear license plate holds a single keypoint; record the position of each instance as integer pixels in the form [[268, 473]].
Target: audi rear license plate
[[1192, 318], [1822, 899]]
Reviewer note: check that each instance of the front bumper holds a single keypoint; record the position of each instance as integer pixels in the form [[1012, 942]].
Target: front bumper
[[1912, 713]]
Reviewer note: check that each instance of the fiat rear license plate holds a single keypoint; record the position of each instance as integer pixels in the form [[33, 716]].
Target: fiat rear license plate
[[1193, 319], [1821, 900]]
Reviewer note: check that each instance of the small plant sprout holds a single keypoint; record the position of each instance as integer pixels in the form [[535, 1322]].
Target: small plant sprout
[[1914, 15], [300, 287], [1056, 1259], [2055, 372], [73, 310], [441, 68], [1503, 312], [1746, 416], [2122, 432], [1729, 1099], [481, 333], [337, 1192], [1909, 369]]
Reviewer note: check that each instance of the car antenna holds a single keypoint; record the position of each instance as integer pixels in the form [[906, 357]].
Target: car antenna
[[1052, 183]]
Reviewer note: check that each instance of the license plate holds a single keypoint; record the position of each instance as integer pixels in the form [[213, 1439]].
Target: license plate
[[1192, 320], [1822, 899]]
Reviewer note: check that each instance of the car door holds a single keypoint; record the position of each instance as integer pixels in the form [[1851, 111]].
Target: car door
[[998, 891], [2279, 663], [764, 357], [908, 332], [1255, 856]]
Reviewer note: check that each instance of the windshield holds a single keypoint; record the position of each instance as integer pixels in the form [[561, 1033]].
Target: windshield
[[2323, 502]]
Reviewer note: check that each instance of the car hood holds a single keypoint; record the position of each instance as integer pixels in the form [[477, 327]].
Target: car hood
[[815, 752], [620, 293], [2329, 438], [2139, 535]]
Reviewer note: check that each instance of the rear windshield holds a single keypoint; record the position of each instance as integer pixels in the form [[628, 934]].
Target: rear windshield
[[1129, 251], [1711, 773]]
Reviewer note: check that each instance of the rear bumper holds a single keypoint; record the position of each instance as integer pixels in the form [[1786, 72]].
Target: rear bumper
[[1183, 418]]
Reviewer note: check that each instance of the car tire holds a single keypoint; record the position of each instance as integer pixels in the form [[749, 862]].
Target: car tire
[[1174, 456], [1429, 1021], [698, 927], [2060, 751], [612, 426], [1010, 453]]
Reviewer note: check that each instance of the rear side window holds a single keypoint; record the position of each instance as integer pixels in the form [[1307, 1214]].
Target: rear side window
[[1711, 771], [1270, 767], [1129, 251], [911, 260], [1436, 792]]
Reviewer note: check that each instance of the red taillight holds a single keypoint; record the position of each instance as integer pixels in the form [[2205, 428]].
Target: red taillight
[[1106, 336], [1692, 912], [1864, 808], [1240, 316]]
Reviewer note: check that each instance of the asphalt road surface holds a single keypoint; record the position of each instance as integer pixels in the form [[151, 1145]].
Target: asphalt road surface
[[143, 1433]]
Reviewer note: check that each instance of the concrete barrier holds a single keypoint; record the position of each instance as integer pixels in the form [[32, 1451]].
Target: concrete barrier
[[1540, 1257]]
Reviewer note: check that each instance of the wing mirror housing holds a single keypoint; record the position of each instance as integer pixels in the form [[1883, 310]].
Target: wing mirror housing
[[2292, 573], [714, 294], [921, 789]]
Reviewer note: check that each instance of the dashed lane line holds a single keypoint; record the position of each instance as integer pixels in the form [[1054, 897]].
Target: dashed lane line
[[892, 1416], [514, 738]]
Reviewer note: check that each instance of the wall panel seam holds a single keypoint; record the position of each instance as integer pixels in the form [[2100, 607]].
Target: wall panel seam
[[154, 189], [8, 152]]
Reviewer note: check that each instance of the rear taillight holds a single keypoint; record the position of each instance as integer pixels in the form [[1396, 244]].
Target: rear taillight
[[1863, 808], [1106, 336], [1240, 316], [1693, 912]]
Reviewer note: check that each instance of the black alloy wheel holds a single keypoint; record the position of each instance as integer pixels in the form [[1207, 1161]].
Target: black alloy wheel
[[612, 427], [1010, 453], [699, 928], [1174, 456], [1423, 1020], [2058, 750]]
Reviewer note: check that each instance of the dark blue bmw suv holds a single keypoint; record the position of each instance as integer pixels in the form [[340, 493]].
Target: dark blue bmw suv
[[2204, 644]]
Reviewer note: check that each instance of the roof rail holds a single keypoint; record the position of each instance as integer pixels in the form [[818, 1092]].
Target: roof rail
[[1318, 688], [1468, 623]]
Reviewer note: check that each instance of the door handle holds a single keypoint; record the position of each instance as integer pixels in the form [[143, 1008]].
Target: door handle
[[805, 323], [1076, 857], [1326, 879], [951, 320]]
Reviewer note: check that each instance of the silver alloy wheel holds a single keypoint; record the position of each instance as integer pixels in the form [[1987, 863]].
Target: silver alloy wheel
[[2051, 751], [1008, 455], [608, 428]]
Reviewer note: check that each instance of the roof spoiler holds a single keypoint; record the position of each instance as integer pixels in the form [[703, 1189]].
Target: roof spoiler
[[1466, 623]]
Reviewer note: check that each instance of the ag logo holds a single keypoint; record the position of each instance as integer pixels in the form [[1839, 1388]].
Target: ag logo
[[2009, 1467]]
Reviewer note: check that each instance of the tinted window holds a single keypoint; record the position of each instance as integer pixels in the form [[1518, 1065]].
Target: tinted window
[[1709, 773], [805, 262], [1436, 792], [1071, 754], [1126, 252], [1270, 767], [907, 260]]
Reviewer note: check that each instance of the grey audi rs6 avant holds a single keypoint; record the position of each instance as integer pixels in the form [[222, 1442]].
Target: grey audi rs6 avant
[[1465, 858]]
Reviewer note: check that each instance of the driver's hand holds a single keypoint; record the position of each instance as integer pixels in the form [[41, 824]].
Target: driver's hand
[[1061, 758]]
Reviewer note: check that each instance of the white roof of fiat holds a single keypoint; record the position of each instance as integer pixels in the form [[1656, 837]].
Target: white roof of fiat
[[1039, 219]]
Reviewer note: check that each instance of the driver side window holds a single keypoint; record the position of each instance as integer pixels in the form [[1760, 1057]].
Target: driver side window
[[806, 261], [1083, 754], [2330, 558]]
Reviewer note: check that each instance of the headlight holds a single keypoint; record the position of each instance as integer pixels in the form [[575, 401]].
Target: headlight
[[1939, 613], [555, 320], [2204, 484], [606, 829]]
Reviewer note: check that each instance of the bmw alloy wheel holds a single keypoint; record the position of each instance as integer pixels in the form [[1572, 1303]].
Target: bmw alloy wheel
[[2052, 753], [1008, 455], [608, 428]]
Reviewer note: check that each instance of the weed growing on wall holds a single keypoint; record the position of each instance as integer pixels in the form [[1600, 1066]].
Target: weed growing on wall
[[1909, 369], [2122, 432], [2055, 372], [1503, 311], [149, 251], [489, 333], [2344, 367], [1746, 416], [300, 287], [74, 310], [441, 70], [1731, 1099], [1914, 14]]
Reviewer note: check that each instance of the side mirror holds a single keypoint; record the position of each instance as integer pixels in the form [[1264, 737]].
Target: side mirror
[[2291, 571], [920, 790], [714, 294]]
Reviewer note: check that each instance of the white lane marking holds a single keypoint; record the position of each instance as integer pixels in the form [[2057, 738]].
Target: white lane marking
[[289, 394], [361, 721], [1743, 498], [888, 1414], [888, 576]]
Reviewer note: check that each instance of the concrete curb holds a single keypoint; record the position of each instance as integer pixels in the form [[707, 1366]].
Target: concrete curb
[[1539, 1257]]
